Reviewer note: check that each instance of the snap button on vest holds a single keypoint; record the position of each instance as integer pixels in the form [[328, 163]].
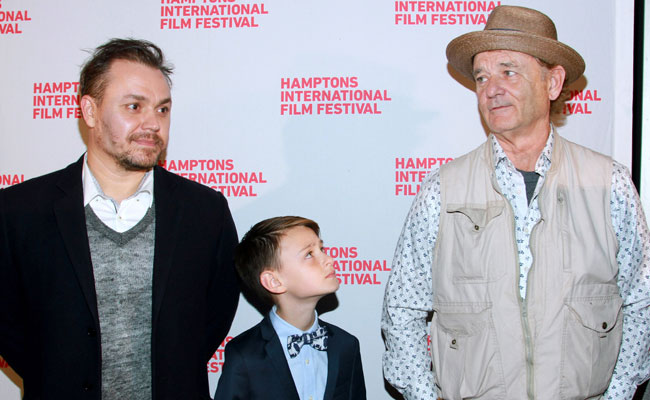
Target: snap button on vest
[[604, 325], [476, 228]]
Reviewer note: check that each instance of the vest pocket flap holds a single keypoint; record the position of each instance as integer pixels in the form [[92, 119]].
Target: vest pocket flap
[[463, 319], [599, 314], [479, 214]]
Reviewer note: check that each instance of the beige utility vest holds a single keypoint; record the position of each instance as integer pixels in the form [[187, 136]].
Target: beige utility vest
[[562, 341]]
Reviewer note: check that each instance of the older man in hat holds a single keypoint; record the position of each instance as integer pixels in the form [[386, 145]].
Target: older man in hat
[[532, 252]]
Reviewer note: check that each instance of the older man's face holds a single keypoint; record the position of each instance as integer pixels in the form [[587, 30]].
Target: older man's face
[[513, 90]]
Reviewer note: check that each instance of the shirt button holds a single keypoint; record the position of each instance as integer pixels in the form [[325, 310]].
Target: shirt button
[[307, 361]]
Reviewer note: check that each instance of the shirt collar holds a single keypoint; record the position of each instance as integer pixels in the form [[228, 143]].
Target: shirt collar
[[284, 329], [543, 162], [92, 189]]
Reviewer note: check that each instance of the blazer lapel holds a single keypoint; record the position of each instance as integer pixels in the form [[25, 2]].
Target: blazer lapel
[[275, 352], [71, 220], [169, 212], [333, 360]]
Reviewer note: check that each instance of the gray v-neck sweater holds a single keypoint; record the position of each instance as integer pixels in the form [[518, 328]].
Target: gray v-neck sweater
[[123, 270]]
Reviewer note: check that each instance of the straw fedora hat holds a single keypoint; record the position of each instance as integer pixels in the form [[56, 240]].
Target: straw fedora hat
[[518, 29]]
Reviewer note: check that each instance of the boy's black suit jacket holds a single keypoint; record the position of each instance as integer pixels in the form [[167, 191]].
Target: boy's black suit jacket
[[256, 367]]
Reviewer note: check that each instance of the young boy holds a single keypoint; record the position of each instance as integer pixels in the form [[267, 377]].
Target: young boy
[[291, 354]]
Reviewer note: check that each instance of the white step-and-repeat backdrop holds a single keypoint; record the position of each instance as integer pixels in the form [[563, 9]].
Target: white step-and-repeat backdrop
[[334, 110]]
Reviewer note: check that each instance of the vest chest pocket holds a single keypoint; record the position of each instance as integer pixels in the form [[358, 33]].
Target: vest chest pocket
[[465, 355], [591, 341], [478, 241]]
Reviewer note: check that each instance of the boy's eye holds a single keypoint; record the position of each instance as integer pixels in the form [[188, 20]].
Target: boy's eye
[[309, 255]]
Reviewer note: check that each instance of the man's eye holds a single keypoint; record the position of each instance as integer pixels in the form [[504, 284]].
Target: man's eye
[[163, 110], [509, 73], [480, 79], [133, 106]]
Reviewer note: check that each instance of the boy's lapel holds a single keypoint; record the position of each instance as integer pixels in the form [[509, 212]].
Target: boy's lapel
[[275, 352], [333, 358]]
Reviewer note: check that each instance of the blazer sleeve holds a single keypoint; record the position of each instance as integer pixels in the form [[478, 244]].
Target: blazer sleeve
[[357, 384], [223, 293], [12, 322], [234, 383]]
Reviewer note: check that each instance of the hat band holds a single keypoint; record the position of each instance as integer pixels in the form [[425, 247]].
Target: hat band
[[503, 29]]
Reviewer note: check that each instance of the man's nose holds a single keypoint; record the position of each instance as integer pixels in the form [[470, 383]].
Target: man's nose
[[494, 86], [151, 121]]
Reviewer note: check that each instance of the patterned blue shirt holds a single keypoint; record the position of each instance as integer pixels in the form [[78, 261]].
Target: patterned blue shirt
[[409, 297], [309, 367]]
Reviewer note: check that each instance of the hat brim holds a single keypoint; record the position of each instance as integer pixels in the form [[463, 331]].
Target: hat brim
[[461, 51]]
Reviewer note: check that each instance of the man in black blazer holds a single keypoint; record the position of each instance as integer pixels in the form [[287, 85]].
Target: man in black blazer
[[82, 314], [256, 367]]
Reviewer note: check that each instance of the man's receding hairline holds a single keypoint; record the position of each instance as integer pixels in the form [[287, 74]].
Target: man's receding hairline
[[103, 81]]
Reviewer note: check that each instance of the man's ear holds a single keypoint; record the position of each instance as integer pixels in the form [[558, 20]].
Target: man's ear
[[556, 81], [88, 107], [271, 282]]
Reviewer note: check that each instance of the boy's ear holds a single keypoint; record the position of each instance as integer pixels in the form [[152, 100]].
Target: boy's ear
[[271, 282]]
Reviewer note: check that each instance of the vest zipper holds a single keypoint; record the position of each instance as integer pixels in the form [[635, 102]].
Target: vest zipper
[[528, 347], [523, 305], [528, 342], [523, 313]]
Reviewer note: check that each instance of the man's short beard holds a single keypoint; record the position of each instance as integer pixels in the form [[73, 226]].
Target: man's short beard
[[138, 162], [130, 163]]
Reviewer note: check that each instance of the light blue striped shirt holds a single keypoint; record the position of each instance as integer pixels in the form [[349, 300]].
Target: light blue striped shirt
[[309, 367]]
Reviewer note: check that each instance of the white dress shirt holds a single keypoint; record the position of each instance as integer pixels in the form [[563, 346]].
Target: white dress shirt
[[121, 216]]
